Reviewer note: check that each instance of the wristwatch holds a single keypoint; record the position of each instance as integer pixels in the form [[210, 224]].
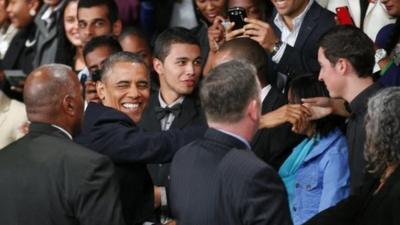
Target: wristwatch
[[276, 47], [380, 54]]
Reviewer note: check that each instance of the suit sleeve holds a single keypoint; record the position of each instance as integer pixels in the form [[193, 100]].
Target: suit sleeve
[[265, 201], [97, 200], [127, 144]]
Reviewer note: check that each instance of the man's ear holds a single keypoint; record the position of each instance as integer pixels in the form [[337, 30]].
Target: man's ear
[[100, 89], [35, 5], [117, 28], [158, 66], [342, 66], [68, 105], [254, 110]]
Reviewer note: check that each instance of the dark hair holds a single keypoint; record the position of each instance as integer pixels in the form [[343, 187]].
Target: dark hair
[[135, 31], [65, 50], [251, 51], [352, 44], [200, 17], [308, 86], [265, 7], [174, 35], [227, 90], [110, 5], [121, 57], [105, 40]]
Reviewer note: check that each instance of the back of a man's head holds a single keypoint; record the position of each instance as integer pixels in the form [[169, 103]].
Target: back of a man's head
[[352, 44], [110, 5], [174, 35], [52, 95], [248, 50], [227, 90]]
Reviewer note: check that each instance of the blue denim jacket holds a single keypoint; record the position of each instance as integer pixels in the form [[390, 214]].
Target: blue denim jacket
[[322, 180]]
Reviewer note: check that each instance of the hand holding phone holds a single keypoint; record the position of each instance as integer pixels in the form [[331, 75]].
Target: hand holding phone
[[237, 15], [343, 16]]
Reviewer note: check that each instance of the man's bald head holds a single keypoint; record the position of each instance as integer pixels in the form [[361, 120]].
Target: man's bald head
[[245, 49], [52, 95]]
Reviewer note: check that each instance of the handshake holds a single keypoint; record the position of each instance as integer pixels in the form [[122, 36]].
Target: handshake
[[300, 115]]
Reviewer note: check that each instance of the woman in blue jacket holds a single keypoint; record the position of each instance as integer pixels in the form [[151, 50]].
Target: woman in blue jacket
[[316, 174]]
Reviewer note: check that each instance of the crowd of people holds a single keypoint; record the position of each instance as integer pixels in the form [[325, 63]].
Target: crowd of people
[[166, 112]]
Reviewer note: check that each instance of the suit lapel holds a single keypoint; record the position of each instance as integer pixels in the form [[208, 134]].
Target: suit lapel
[[188, 112], [16, 47], [149, 119], [308, 24]]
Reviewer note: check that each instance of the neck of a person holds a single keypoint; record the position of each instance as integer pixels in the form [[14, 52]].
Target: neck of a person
[[290, 17], [169, 96], [242, 128], [356, 86], [79, 61]]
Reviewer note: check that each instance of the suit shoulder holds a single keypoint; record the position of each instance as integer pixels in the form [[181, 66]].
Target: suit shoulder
[[243, 163]]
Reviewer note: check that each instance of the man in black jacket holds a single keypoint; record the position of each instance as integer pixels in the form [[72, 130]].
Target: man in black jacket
[[45, 178]]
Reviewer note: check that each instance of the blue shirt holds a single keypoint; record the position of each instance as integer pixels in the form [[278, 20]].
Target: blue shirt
[[322, 179]]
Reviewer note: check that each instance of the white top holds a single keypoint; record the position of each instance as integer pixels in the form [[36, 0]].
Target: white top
[[265, 91], [7, 33], [183, 15], [168, 119]]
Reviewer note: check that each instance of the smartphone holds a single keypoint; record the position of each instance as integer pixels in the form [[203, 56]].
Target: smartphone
[[15, 76], [237, 15], [344, 16]]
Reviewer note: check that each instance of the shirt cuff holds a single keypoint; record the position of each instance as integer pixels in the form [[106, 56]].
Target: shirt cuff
[[163, 194]]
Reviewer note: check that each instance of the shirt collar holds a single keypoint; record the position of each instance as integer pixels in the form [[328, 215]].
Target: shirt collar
[[265, 91], [279, 22], [49, 11], [359, 103], [63, 130], [237, 137], [163, 104]]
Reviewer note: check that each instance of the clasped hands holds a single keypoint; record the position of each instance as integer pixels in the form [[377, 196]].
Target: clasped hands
[[300, 115]]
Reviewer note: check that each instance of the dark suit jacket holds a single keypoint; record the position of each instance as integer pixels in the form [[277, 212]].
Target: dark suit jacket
[[114, 134], [274, 145], [216, 180], [191, 114], [47, 38], [47, 179], [19, 57], [302, 57], [366, 208]]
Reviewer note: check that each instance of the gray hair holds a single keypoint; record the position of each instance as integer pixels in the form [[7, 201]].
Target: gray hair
[[227, 90], [382, 145], [121, 57]]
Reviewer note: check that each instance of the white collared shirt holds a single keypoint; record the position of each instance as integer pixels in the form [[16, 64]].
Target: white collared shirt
[[168, 119], [265, 91], [46, 16], [289, 37], [63, 130]]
